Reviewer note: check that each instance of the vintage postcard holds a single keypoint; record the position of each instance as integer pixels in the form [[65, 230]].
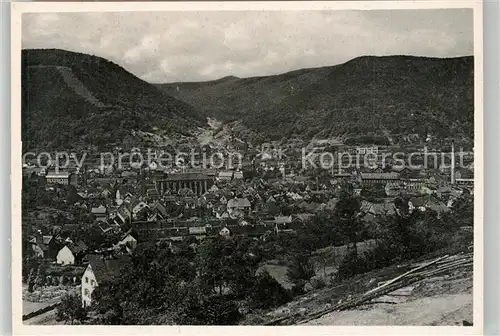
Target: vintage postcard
[[312, 166]]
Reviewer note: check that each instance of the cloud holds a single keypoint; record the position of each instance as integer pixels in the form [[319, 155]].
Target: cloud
[[192, 46]]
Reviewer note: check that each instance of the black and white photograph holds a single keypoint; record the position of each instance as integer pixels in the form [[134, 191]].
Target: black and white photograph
[[245, 164]]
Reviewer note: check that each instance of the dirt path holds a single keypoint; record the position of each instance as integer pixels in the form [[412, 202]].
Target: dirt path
[[78, 87], [438, 310]]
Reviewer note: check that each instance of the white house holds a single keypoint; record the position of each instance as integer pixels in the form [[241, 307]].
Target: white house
[[89, 283], [224, 232], [137, 207], [128, 240], [65, 256], [98, 271], [213, 188], [71, 254], [118, 198]]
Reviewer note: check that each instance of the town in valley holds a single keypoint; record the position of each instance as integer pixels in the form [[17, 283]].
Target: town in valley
[[329, 193]]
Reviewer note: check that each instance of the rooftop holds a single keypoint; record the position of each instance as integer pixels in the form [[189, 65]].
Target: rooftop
[[107, 269], [57, 175], [379, 176], [187, 177]]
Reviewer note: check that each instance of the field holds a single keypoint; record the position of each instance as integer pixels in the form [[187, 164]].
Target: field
[[326, 261]]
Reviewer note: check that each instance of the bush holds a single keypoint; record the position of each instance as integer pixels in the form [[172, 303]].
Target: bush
[[40, 278], [298, 288], [351, 265], [31, 280], [214, 310], [70, 309], [318, 282], [300, 269], [407, 238]]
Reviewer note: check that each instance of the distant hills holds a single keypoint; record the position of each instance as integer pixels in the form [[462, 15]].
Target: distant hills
[[391, 97], [74, 100]]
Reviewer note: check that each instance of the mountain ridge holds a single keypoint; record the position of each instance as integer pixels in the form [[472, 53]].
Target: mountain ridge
[[362, 96], [73, 99]]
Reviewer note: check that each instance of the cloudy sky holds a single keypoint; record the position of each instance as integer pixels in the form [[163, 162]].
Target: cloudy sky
[[191, 46]]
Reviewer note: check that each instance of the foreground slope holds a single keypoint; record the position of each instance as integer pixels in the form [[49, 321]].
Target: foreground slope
[[72, 100], [396, 95]]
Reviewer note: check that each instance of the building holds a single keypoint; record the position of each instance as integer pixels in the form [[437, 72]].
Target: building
[[31, 174], [99, 271], [465, 181], [366, 150], [303, 217], [406, 172], [45, 247], [392, 189], [123, 215], [100, 213], [373, 178], [238, 207], [199, 183], [370, 211], [198, 230], [224, 232], [225, 176], [137, 206], [71, 254], [63, 178], [160, 210], [129, 240]]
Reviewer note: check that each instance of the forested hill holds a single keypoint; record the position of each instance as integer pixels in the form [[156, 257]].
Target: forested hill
[[392, 95], [72, 100]]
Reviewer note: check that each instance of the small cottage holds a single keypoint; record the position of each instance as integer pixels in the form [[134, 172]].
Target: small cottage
[[71, 254]]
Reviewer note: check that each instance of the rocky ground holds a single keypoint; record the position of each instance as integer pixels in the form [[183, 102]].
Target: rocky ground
[[440, 294], [444, 301]]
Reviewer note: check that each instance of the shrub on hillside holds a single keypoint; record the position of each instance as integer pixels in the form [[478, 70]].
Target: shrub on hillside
[[351, 265], [300, 269], [214, 310], [406, 238], [318, 282], [70, 309]]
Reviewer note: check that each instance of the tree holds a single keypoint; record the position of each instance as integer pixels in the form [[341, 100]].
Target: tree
[[226, 263], [213, 310], [463, 210], [267, 292], [272, 208], [40, 278], [31, 280], [324, 257], [70, 309], [107, 308], [346, 217], [300, 269], [156, 281]]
